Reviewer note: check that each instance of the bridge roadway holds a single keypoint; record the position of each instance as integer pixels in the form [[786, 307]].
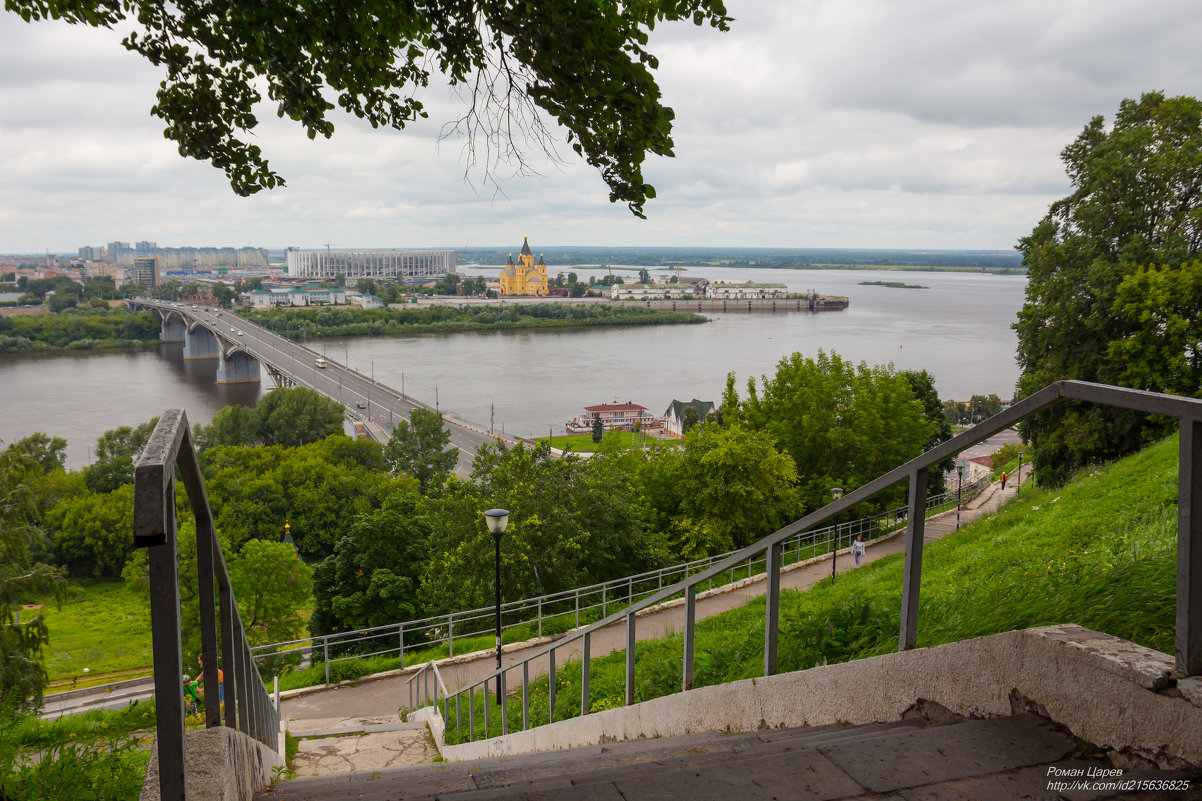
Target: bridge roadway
[[377, 405]]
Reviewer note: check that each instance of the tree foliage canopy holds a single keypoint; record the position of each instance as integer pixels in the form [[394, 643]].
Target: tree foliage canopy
[[421, 447], [1136, 203], [585, 64], [843, 424]]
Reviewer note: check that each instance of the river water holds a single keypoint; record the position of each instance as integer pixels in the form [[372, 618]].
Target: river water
[[958, 328]]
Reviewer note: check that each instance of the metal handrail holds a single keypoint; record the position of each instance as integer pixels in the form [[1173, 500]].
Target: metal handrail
[[1188, 412], [425, 671], [622, 591], [247, 706]]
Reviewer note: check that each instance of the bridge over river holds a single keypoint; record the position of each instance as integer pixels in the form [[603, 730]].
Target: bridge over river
[[244, 350]]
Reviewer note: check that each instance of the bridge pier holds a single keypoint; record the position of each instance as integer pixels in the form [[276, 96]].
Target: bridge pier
[[238, 367], [201, 343], [281, 381], [173, 329]]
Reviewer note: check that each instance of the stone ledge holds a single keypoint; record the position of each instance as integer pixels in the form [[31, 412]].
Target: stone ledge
[[222, 765], [1095, 685]]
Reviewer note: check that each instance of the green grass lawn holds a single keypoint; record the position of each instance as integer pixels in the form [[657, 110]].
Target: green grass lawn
[[1100, 552], [103, 626], [583, 443]]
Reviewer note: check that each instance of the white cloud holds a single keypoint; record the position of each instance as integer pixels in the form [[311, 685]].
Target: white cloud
[[933, 123]]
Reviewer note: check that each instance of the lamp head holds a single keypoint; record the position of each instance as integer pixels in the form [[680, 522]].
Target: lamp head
[[836, 492], [497, 520]]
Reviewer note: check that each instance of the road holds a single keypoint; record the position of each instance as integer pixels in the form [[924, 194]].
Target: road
[[377, 405]]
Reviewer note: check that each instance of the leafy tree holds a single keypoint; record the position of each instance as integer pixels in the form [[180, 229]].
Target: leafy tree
[[1161, 307], [598, 431], [1136, 202], [297, 416], [372, 577], [91, 532], [572, 522], [50, 453], [689, 418], [273, 586], [644, 276], [843, 424], [233, 425], [116, 451], [735, 487], [22, 674], [586, 65], [923, 385], [421, 447], [61, 301], [320, 488]]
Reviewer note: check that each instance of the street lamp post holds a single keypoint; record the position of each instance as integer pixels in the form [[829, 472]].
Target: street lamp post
[[836, 493], [959, 485], [497, 520], [1018, 477]]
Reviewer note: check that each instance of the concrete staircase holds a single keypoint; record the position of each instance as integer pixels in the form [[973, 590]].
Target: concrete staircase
[[916, 759]]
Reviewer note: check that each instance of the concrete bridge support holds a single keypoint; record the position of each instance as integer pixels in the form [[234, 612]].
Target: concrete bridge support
[[201, 343], [173, 329], [238, 367]]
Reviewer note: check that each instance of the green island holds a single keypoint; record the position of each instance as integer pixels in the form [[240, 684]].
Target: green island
[[341, 321], [78, 329], [893, 284]]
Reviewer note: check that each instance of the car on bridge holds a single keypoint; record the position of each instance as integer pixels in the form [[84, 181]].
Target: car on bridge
[[361, 404]]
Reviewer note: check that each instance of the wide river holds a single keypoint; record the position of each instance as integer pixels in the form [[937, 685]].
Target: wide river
[[958, 328]]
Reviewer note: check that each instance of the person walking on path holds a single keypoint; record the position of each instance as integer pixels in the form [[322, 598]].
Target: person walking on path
[[857, 549], [1003, 481]]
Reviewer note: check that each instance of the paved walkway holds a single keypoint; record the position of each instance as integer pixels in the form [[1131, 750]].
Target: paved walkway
[[380, 696]]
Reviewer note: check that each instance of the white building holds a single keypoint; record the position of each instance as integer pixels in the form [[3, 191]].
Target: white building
[[744, 290], [297, 296], [651, 291], [408, 266]]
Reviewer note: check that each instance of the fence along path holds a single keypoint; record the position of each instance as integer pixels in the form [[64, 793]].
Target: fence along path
[[384, 695]]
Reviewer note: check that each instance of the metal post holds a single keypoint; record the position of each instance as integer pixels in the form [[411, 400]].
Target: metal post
[[603, 600], [326, 647], [690, 622], [276, 683], [525, 695], [584, 668], [401, 635], [487, 704], [540, 617], [551, 686], [165, 645], [471, 713], [1189, 549], [497, 584], [578, 608], [912, 570], [772, 609], [630, 643], [501, 702], [208, 622], [959, 486], [228, 612], [450, 635]]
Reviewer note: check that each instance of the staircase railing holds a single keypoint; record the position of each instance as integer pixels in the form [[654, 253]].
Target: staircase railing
[[424, 633], [247, 706], [1188, 412]]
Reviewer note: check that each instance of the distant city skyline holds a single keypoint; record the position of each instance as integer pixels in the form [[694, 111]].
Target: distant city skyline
[[819, 124]]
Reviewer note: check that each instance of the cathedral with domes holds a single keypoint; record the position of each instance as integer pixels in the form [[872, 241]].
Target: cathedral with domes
[[525, 277]]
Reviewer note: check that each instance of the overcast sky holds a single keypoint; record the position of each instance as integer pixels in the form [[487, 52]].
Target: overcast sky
[[812, 123]]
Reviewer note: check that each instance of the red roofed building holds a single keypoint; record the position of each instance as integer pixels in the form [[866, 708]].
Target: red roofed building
[[617, 415]]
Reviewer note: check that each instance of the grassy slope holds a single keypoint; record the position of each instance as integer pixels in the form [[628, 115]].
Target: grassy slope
[[103, 626], [1100, 552]]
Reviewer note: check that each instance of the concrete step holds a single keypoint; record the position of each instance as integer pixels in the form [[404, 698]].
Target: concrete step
[[903, 761]]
